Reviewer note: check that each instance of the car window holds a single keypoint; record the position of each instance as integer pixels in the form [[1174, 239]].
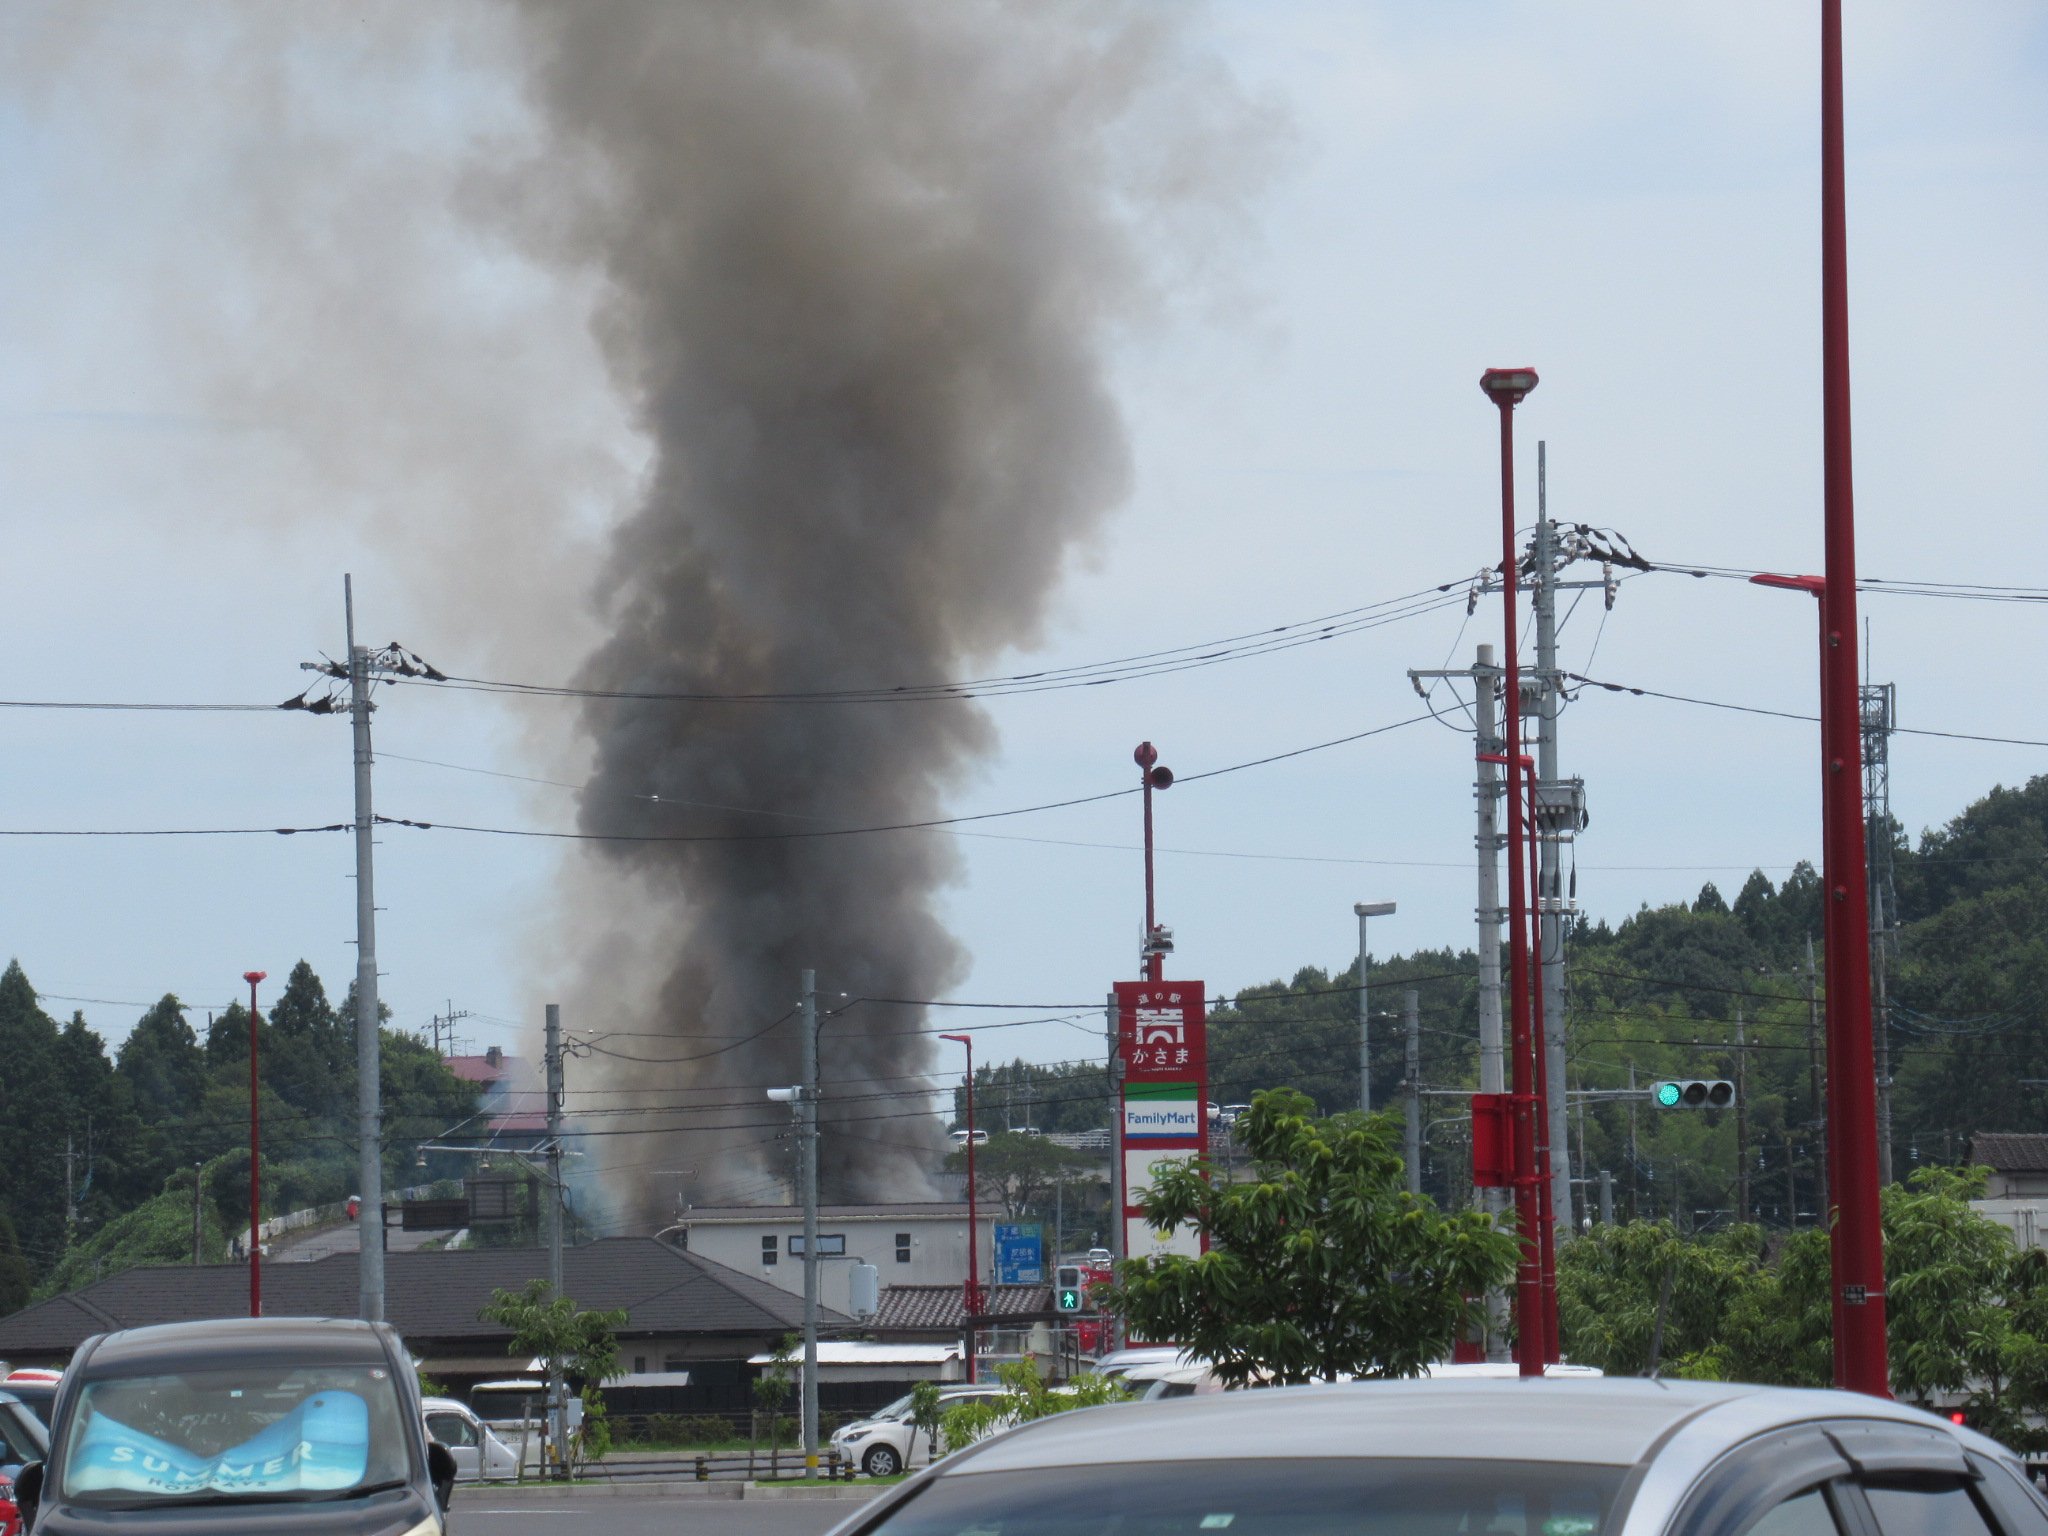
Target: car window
[[260, 1431], [2021, 1508], [21, 1437], [1279, 1497], [1804, 1515], [451, 1429], [1927, 1511]]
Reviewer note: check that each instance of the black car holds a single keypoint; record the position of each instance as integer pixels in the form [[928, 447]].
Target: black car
[[272, 1424], [35, 1396]]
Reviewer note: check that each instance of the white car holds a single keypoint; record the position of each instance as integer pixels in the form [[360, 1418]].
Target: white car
[[887, 1442], [479, 1454]]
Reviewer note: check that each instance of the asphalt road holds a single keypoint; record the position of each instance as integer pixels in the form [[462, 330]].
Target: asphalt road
[[297, 1248], [477, 1513]]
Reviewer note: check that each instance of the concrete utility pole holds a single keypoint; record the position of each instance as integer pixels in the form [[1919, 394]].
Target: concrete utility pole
[[809, 1108], [1366, 909], [557, 1387], [1741, 1120], [369, 1106], [1411, 1089], [1560, 811], [1878, 706]]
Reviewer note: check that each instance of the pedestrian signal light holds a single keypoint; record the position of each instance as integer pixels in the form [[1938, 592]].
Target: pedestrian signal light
[[1693, 1093], [1067, 1294]]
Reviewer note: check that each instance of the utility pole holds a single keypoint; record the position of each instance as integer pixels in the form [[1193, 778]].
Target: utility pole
[[557, 1386], [1606, 1197], [1411, 1090], [810, 1181], [70, 1188], [1366, 909], [1791, 1187], [1560, 816], [197, 1168], [1741, 1120], [1816, 1086], [369, 1106], [1877, 712]]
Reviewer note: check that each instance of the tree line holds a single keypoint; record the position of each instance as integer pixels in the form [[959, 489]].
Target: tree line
[[105, 1147]]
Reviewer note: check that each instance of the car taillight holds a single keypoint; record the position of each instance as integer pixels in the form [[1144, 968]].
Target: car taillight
[[10, 1513]]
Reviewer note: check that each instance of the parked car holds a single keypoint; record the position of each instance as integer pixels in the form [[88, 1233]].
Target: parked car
[[35, 1390], [240, 1427], [960, 1137], [1154, 1383], [479, 1454], [22, 1442], [887, 1441], [1121, 1362], [1587, 1457]]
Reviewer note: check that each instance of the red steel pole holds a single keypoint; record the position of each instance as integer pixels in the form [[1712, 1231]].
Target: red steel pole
[[1506, 387], [255, 1160], [1858, 1239]]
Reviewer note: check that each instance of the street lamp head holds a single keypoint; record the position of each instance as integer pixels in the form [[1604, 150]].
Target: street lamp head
[[1373, 908], [784, 1095], [961, 1039], [252, 977], [1508, 386]]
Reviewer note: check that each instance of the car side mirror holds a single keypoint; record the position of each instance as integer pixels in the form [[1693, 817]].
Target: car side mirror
[[441, 1473], [28, 1491]]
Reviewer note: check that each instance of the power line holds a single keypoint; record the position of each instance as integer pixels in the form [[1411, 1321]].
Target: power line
[[339, 826], [1787, 714]]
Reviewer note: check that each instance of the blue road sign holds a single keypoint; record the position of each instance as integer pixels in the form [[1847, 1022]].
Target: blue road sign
[[1020, 1253]]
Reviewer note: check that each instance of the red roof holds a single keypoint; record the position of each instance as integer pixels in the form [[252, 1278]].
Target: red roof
[[479, 1069]]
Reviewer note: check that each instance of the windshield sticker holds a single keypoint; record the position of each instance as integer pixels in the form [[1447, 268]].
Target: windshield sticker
[[1217, 1522], [1569, 1525], [321, 1446]]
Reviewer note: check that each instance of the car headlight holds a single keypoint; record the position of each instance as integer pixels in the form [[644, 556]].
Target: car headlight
[[431, 1526], [857, 1432]]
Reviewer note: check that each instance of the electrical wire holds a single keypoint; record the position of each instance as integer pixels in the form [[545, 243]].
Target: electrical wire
[[1786, 714]]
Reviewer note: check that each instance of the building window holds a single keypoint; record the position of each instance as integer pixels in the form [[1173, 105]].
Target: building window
[[639, 1364], [902, 1247], [768, 1249]]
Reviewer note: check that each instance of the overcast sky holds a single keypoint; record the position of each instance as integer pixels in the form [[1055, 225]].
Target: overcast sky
[[1623, 196]]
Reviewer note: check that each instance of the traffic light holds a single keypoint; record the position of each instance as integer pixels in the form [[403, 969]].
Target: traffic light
[[1067, 1295], [1693, 1093]]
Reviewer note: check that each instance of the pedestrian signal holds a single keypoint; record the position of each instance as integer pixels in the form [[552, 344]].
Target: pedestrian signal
[[1693, 1093], [1067, 1295]]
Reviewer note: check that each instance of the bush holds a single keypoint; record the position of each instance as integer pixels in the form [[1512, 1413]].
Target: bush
[[708, 1429], [664, 1429]]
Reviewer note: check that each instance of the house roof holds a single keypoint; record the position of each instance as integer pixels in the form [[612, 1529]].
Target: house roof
[[2009, 1152], [432, 1296], [930, 1210], [937, 1308], [481, 1069]]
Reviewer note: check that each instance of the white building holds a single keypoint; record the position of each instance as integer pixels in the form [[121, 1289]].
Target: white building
[[909, 1244]]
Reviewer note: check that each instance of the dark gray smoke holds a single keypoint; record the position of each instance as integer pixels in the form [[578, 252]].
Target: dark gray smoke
[[865, 262]]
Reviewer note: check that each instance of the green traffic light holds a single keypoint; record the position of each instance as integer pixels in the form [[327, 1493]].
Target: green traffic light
[[1668, 1095], [1070, 1301]]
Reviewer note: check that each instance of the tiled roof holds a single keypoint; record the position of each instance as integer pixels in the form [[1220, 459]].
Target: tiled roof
[[2011, 1153], [481, 1069], [936, 1308], [941, 1210], [428, 1296]]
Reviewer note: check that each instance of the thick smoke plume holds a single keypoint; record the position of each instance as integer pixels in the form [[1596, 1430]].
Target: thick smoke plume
[[864, 264]]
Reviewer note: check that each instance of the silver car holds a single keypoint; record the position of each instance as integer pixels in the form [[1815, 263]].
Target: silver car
[[1610, 1457]]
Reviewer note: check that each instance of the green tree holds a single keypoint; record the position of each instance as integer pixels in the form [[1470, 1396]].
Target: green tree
[[1611, 1288], [772, 1389], [1320, 1264], [582, 1346], [1020, 1171], [32, 1175]]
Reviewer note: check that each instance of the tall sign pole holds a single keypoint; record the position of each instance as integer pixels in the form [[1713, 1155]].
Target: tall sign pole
[[1858, 1240], [1161, 1063]]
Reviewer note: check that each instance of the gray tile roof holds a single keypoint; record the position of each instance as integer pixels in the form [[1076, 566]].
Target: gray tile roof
[[429, 1297], [2010, 1152], [937, 1309]]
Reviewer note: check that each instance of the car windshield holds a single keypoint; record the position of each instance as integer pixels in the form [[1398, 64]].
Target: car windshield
[[259, 1432], [900, 1409], [1292, 1497]]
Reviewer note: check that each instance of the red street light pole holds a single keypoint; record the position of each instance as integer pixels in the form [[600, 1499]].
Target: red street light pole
[[970, 1294], [255, 1159], [1507, 388]]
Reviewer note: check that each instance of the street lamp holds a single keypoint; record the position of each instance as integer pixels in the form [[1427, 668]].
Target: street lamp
[[1366, 909], [970, 1293], [1508, 388], [255, 1159]]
